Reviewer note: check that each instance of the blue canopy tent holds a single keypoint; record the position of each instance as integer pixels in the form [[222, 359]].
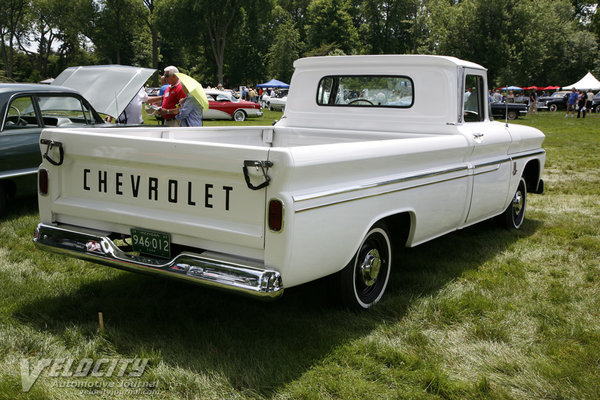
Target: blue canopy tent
[[272, 84], [511, 88]]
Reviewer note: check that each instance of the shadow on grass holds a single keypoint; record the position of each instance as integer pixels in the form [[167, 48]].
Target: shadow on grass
[[258, 347], [16, 208]]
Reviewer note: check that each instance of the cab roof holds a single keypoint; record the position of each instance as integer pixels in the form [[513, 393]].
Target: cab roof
[[383, 59]]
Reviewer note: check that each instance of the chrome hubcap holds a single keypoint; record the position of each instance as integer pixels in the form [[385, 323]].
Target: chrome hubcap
[[370, 267], [518, 202]]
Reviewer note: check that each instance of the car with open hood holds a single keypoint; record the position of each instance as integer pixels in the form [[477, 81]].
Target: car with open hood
[[76, 98]]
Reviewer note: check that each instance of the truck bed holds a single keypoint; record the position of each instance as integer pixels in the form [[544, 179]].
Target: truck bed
[[260, 136]]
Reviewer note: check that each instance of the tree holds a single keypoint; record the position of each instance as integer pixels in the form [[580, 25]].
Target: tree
[[519, 42], [12, 26], [329, 22], [246, 55], [116, 25], [217, 22], [151, 23], [285, 48], [386, 27]]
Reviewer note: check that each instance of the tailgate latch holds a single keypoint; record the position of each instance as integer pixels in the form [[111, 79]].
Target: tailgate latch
[[264, 167], [50, 144]]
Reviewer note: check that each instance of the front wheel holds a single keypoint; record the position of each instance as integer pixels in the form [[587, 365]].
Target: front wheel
[[514, 215], [512, 115], [364, 280], [552, 107], [239, 116]]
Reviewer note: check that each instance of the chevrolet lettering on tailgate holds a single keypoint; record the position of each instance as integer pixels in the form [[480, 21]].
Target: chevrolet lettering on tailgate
[[152, 188]]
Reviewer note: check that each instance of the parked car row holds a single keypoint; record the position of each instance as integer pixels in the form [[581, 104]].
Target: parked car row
[[555, 101], [558, 101]]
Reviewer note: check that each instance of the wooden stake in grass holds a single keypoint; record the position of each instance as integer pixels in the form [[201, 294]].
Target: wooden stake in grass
[[101, 321]]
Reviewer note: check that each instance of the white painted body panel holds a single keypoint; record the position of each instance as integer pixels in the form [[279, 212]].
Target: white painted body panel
[[336, 170]]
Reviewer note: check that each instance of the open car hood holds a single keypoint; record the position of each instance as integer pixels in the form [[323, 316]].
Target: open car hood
[[108, 88]]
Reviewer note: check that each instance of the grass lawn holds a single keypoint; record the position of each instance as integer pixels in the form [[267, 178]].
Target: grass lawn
[[482, 313]]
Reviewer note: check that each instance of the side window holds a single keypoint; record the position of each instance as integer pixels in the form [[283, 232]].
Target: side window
[[62, 110], [21, 114], [473, 99]]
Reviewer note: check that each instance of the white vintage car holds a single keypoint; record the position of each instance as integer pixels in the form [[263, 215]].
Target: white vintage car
[[363, 162], [276, 102]]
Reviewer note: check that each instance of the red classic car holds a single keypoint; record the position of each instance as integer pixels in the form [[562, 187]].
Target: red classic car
[[222, 105]]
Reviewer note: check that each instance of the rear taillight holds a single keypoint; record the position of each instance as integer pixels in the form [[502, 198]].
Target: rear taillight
[[43, 181], [275, 215]]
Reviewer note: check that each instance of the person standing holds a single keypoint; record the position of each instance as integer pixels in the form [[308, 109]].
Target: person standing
[[163, 86], [170, 100], [497, 96], [190, 112], [532, 103], [571, 102], [510, 97], [132, 115], [581, 104], [590, 100]]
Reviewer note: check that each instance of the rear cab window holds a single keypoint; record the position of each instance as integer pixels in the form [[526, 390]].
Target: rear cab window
[[366, 91]]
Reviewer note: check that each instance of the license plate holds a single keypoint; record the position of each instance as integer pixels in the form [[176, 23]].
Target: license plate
[[151, 243]]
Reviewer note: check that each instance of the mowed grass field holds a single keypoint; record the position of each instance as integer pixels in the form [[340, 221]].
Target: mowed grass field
[[482, 313]]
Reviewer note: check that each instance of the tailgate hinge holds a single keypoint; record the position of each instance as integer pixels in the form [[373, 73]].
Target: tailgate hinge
[[50, 144], [264, 166]]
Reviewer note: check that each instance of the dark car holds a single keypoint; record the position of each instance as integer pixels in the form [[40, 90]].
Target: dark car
[[556, 101], [508, 111], [74, 99], [595, 103], [26, 109]]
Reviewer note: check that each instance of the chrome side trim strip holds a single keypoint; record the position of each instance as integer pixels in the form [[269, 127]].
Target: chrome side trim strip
[[473, 168], [525, 155], [209, 269], [19, 172], [497, 163], [318, 195], [300, 209]]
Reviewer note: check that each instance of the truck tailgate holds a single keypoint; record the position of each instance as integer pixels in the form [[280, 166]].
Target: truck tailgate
[[192, 190]]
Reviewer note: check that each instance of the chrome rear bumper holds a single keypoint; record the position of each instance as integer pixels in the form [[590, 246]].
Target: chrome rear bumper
[[211, 269]]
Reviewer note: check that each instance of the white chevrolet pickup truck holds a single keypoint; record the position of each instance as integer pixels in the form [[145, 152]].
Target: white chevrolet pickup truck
[[372, 154]]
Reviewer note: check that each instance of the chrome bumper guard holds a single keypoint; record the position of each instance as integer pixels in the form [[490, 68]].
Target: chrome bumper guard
[[210, 269]]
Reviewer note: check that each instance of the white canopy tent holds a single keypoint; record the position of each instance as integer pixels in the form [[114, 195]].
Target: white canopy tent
[[588, 82]]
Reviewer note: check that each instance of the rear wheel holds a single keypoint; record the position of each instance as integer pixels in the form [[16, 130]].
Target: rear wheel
[[512, 115], [363, 281], [239, 115], [514, 215]]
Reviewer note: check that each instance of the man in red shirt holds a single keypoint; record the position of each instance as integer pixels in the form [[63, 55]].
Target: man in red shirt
[[170, 100]]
